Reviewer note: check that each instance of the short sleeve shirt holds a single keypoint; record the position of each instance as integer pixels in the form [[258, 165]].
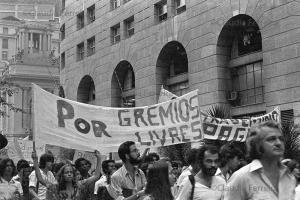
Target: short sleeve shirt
[[42, 190], [9, 189], [121, 180]]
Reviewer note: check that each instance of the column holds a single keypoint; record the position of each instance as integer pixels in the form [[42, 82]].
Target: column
[[44, 42], [31, 43], [26, 42], [49, 42], [40, 42]]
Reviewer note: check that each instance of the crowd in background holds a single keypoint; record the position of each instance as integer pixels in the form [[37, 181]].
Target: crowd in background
[[207, 173]]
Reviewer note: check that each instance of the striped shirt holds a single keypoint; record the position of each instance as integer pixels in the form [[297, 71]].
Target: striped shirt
[[121, 182]]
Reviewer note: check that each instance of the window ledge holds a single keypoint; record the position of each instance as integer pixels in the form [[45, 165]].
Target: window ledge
[[177, 79], [128, 93], [249, 58]]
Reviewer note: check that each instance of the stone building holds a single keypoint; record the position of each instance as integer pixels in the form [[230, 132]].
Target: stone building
[[32, 57], [242, 53]]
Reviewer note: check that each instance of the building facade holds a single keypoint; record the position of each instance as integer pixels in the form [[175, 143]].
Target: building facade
[[33, 57], [241, 53]]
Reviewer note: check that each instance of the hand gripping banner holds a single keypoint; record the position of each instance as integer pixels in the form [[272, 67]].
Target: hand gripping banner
[[69, 124]]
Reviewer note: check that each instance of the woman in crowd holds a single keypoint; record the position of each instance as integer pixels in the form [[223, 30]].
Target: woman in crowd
[[9, 188], [158, 185], [68, 188]]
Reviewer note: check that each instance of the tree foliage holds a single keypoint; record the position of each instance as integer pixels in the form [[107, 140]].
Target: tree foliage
[[8, 89]]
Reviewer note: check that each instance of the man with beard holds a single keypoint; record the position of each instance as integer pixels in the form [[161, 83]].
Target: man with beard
[[128, 181], [36, 189], [204, 185], [230, 156], [265, 177]]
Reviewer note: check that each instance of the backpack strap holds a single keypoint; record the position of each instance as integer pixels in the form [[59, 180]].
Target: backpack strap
[[192, 180]]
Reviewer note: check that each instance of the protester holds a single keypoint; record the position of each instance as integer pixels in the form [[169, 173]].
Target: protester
[[108, 168], [9, 188], [265, 177], [230, 156], [83, 166], [36, 189], [128, 181], [158, 186], [152, 157], [68, 187], [3, 141], [24, 171], [56, 167], [191, 159], [204, 185]]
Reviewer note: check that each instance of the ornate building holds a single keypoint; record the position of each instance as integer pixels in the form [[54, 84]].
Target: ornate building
[[32, 51]]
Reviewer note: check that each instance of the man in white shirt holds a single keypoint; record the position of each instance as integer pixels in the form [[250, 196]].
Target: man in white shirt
[[265, 177], [36, 189], [191, 159], [206, 185], [230, 156], [108, 168]]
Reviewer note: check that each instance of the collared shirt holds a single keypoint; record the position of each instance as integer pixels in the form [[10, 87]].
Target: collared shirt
[[178, 185], [220, 174], [202, 192], [121, 180], [49, 178], [8, 189], [101, 182], [251, 183]]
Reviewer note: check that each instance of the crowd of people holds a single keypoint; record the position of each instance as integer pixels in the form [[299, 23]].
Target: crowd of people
[[207, 173]]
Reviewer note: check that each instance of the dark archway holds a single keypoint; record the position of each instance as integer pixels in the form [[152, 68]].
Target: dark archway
[[123, 85], [86, 90], [172, 68], [239, 49]]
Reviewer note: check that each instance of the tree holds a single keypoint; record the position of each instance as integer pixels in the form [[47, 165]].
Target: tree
[[8, 89]]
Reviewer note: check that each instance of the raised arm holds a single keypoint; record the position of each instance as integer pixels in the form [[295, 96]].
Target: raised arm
[[36, 167], [97, 173]]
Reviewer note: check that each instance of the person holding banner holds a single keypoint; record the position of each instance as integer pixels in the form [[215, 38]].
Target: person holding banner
[[67, 188], [36, 189], [128, 182], [265, 177]]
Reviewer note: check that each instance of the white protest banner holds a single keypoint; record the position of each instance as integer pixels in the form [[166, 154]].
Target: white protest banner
[[233, 129], [165, 95], [80, 126], [274, 115], [21, 149], [225, 129]]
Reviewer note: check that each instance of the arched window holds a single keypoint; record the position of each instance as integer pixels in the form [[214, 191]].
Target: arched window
[[123, 85], [86, 90], [240, 43], [172, 68]]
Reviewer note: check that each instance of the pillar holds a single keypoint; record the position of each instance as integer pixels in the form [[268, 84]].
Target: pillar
[[40, 42], [31, 42]]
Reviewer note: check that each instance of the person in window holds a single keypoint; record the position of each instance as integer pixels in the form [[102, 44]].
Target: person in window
[[129, 181], [9, 188], [265, 177], [158, 186]]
